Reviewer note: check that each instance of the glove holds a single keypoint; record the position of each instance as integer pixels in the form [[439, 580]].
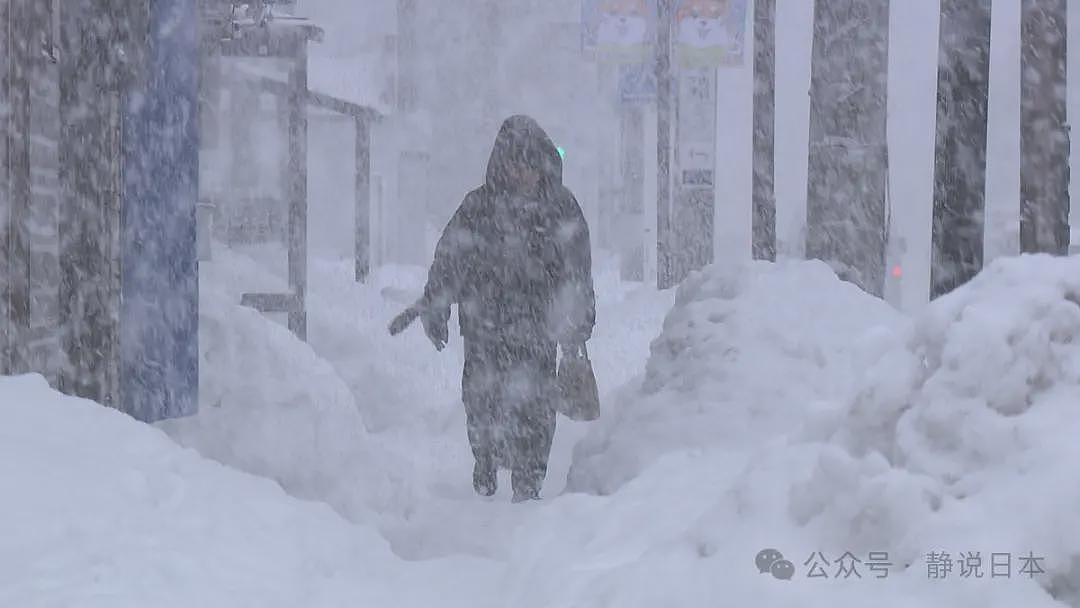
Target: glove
[[436, 329], [403, 320], [574, 348]]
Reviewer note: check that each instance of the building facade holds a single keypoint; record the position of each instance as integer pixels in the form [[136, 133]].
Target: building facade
[[29, 189], [98, 178]]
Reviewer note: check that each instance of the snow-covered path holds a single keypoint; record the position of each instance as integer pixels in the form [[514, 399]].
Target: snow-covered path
[[408, 399]]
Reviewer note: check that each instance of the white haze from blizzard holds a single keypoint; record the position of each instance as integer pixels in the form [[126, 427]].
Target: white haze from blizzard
[[465, 92]]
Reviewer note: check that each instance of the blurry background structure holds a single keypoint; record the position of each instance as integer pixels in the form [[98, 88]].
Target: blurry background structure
[[137, 135]]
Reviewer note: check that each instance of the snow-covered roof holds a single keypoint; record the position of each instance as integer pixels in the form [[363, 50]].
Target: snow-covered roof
[[361, 79], [341, 80]]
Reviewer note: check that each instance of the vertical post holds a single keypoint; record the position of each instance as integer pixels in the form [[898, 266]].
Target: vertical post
[[632, 206], [42, 342], [1044, 134], [646, 232], [764, 194], [363, 198], [89, 209], [693, 214], [664, 115], [16, 242], [239, 205], [159, 308], [846, 193], [210, 122], [284, 174], [407, 220], [6, 200], [605, 234], [960, 150], [297, 102]]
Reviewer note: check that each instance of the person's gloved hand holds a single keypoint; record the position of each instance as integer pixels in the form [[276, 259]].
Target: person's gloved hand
[[436, 329], [573, 347]]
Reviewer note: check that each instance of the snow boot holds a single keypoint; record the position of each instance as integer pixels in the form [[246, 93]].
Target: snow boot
[[525, 496], [485, 478], [526, 486]]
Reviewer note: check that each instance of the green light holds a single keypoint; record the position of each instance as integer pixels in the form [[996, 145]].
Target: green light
[[562, 153]]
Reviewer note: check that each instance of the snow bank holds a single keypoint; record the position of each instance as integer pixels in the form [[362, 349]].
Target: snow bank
[[100, 510], [743, 353], [960, 434], [269, 405], [985, 415], [782, 408]]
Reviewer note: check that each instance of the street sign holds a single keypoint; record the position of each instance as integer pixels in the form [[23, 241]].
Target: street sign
[[696, 144], [637, 83]]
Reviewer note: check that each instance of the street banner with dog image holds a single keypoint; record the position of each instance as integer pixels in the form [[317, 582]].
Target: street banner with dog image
[[619, 31], [710, 33]]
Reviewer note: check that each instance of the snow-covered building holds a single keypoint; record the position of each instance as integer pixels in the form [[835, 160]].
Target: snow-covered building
[[97, 200]]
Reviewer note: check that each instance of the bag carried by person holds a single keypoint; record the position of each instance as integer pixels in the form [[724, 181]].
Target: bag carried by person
[[578, 398]]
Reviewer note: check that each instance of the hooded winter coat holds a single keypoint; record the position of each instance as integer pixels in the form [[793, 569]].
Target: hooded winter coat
[[518, 264]]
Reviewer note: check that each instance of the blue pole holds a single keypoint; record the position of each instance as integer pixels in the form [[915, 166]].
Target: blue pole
[[159, 311]]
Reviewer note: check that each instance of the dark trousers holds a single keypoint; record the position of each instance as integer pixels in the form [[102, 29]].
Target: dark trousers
[[508, 389]]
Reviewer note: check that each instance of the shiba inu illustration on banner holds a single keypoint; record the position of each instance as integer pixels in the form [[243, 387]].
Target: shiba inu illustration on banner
[[624, 28], [710, 32]]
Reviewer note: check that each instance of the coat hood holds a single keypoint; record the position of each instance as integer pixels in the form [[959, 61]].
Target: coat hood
[[522, 140]]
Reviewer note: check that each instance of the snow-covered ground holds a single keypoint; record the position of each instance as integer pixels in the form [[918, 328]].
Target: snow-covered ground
[[99, 510], [762, 406]]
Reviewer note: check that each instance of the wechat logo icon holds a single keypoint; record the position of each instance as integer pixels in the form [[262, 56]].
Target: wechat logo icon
[[773, 562]]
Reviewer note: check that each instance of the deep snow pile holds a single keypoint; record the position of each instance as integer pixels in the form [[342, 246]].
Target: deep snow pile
[[270, 406], [100, 510], [979, 403], [783, 409], [745, 352]]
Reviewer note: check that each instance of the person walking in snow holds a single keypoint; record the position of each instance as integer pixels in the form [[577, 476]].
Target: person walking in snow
[[515, 257]]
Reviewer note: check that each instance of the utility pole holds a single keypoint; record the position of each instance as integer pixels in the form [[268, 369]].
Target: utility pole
[[960, 150], [764, 194], [848, 165], [7, 338], [1044, 133], [632, 205], [90, 186], [665, 276]]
